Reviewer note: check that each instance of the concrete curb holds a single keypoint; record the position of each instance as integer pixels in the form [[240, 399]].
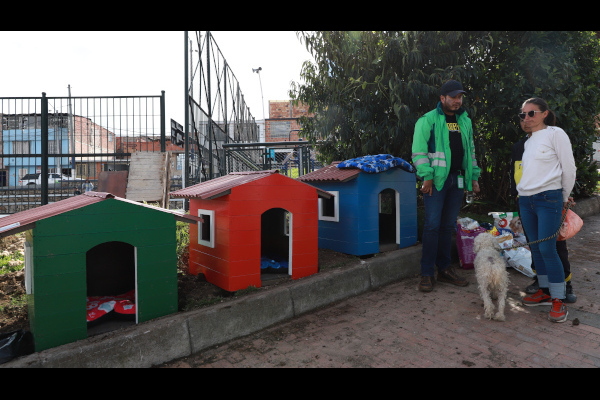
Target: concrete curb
[[182, 334]]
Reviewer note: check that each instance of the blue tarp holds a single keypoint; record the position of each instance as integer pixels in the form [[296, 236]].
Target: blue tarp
[[378, 163]]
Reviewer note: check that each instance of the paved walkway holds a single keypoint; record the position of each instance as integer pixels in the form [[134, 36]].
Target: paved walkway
[[398, 326]]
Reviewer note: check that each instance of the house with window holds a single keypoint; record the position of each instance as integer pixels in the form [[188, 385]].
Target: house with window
[[282, 124], [22, 146]]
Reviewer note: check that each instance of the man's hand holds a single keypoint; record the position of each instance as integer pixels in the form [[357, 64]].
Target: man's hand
[[475, 185], [427, 187]]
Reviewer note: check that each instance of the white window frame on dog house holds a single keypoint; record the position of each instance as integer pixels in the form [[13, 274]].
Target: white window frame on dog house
[[208, 226], [336, 207]]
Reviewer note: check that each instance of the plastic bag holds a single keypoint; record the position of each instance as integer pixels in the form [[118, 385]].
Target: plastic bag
[[520, 259], [467, 223], [15, 344], [570, 226]]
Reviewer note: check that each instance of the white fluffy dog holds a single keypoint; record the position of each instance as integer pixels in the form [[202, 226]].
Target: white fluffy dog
[[492, 278]]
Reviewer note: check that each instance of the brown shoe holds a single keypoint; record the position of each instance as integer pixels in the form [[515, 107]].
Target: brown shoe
[[449, 275], [426, 284]]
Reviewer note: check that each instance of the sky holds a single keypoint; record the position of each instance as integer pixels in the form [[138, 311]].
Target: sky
[[144, 63]]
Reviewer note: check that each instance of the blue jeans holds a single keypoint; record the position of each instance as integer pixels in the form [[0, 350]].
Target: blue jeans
[[541, 215], [441, 211]]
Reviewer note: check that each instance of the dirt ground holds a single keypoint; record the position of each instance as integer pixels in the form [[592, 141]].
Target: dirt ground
[[193, 291]]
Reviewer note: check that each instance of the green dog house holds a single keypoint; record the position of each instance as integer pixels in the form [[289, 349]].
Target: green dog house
[[95, 244]]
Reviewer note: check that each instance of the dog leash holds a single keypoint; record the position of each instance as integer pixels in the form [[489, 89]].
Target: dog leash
[[549, 237]]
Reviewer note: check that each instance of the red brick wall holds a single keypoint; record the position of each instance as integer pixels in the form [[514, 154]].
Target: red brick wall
[[281, 111]]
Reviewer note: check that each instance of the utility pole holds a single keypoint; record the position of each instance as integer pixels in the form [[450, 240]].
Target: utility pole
[[257, 70]]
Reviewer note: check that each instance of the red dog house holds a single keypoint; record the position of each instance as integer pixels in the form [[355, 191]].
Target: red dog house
[[250, 218]]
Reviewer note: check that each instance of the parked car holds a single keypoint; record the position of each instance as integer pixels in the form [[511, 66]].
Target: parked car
[[35, 179]]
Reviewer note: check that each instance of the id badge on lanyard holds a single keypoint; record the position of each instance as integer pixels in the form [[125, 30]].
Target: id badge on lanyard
[[461, 182]]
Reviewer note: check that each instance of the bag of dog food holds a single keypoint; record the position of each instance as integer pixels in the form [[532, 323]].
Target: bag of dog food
[[520, 259], [505, 239], [502, 219], [464, 242]]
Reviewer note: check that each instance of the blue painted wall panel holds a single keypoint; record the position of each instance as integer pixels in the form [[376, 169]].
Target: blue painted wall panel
[[357, 232]]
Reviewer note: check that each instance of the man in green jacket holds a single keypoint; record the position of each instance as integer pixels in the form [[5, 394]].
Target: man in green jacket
[[443, 153]]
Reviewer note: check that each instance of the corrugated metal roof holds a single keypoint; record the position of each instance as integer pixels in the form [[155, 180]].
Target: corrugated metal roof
[[222, 185], [330, 173], [25, 220]]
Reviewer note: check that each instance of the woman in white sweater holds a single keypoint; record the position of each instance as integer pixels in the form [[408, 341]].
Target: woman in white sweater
[[545, 186]]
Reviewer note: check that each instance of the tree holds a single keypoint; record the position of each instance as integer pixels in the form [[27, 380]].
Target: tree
[[367, 90], [562, 68]]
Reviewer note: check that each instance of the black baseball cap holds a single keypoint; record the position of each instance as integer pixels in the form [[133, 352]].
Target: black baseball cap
[[451, 88]]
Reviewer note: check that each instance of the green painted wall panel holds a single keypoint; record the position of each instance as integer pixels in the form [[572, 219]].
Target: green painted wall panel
[[58, 264], [59, 336], [83, 242], [103, 223], [60, 283], [157, 297]]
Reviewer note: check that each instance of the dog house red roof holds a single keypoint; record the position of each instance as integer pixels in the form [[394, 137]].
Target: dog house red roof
[[25, 220], [222, 186], [330, 173]]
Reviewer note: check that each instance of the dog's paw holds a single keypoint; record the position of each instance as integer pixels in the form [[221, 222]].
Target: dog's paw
[[499, 317]]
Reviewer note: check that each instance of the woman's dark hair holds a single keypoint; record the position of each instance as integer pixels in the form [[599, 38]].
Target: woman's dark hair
[[541, 103]]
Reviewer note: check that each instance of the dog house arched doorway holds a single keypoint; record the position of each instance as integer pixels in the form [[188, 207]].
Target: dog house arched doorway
[[276, 243], [111, 286], [389, 220]]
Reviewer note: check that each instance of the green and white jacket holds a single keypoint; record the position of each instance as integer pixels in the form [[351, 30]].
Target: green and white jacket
[[431, 154]]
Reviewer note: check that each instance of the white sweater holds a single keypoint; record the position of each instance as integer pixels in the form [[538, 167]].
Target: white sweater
[[548, 163]]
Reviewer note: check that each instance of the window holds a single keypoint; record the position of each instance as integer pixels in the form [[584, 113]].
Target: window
[[281, 129], [20, 147], [329, 208], [206, 229], [54, 147]]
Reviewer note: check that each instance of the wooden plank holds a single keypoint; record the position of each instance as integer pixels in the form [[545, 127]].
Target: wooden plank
[[147, 177]]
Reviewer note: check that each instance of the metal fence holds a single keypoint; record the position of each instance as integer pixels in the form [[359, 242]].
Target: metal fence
[[290, 158], [69, 141], [216, 114], [206, 154]]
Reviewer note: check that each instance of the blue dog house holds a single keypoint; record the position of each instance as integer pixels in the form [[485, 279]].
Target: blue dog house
[[370, 212]]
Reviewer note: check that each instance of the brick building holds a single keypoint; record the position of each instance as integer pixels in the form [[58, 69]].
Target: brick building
[[282, 124]]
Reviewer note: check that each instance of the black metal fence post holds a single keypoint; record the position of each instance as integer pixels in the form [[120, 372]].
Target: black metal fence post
[[44, 139], [162, 122]]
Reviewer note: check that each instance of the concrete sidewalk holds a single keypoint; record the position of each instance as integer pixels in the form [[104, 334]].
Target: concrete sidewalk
[[383, 321]]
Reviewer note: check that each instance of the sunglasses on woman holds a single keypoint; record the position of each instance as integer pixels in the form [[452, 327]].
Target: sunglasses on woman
[[530, 113]]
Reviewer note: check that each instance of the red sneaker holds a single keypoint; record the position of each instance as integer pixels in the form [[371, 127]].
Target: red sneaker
[[559, 312], [537, 299]]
